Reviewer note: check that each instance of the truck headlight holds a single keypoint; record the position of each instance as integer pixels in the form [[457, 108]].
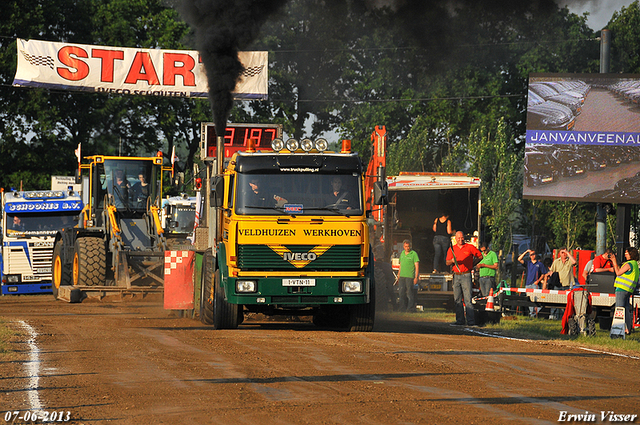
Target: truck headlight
[[351, 286], [246, 286], [13, 278]]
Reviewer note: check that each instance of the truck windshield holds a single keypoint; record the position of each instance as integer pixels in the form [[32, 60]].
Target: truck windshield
[[38, 225], [182, 219], [299, 194]]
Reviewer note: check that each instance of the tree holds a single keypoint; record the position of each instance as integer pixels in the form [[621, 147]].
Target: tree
[[39, 125]]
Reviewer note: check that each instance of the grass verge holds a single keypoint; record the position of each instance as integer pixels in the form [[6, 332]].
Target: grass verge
[[536, 329], [5, 336]]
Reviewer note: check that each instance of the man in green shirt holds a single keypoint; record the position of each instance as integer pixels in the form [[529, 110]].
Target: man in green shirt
[[408, 277], [487, 268]]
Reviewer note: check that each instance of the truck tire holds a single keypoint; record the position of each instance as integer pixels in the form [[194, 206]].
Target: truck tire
[[61, 273], [215, 309], [225, 314], [89, 262], [361, 316], [206, 306]]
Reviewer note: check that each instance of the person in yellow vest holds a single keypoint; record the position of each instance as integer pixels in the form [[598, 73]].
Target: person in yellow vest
[[626, 283]]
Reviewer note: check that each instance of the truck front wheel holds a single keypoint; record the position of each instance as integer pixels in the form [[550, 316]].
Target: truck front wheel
[[215, 310], [61, 272]]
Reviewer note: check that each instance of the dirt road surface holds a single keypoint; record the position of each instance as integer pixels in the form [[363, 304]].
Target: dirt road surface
[[135, 363]]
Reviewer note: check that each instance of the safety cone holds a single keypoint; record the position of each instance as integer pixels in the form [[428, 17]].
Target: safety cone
[[489, 306]]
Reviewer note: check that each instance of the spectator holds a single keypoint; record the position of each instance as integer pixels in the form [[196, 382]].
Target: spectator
[[535, 271], [409, 269], [463, 256], [603, 263], [563, 265], [441, 240], [487, 268], [626, 283], [561, 275], [545, 281], [588, 269]]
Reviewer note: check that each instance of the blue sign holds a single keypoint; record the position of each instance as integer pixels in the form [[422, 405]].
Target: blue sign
[[46, 206], [599, 138]]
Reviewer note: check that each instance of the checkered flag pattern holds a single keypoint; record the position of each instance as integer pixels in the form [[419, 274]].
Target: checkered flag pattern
[[38, 60], [252, 71], [171, 261]]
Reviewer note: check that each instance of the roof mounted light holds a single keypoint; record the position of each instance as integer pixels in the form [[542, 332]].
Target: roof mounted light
[[322, 145], [306, 144], [292, 145], [346, 146], [277, 144]]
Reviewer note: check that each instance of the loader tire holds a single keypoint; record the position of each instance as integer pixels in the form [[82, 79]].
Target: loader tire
[[61, 272], [89, 262], [206, 305]]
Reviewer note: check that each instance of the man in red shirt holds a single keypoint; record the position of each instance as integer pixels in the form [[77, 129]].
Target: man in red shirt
[[603, 263], [463, 256]]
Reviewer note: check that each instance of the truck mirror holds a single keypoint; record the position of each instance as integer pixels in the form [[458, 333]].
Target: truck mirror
[[380, 193], [217, 192], [78, 177]]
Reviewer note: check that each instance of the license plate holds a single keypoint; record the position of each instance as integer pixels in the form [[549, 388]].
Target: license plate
[[298, 282]]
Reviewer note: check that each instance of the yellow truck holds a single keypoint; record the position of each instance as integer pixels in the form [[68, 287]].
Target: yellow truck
[[287, 233]]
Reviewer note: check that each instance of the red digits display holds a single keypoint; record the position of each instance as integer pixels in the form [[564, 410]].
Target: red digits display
[[236, 137]]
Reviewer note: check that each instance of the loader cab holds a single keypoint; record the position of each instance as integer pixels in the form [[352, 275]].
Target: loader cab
[[129, 184]]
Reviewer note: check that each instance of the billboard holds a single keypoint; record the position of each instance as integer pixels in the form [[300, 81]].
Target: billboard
[[583, 138], [124, 70]]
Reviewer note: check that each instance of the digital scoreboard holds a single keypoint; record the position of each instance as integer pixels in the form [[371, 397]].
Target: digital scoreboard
[[236, 138]]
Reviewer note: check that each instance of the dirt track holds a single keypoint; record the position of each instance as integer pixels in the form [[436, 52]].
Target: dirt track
[[135, 363]]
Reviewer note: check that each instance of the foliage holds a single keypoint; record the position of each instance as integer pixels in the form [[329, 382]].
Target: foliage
[[37, 123], [497, 162], [625, 43]]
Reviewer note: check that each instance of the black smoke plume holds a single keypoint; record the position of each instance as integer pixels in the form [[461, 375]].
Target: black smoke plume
[[222, 28]]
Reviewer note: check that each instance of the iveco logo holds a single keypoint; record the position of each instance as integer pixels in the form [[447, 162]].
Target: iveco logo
[[299, 256], [299, 259]]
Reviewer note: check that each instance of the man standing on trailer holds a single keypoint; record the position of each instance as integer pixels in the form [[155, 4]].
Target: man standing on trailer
[[463, 256]]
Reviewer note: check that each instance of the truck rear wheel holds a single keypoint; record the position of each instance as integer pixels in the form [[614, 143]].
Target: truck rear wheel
[[61, 273], [206, 306], [89, 262]]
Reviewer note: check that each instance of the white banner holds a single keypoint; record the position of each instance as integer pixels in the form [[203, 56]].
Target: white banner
[[123, 70]]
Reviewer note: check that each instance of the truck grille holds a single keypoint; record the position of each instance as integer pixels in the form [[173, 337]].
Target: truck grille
[[261, 257], [41, 261]]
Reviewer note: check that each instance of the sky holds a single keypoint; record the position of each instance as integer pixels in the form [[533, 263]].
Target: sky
[[600, 11]]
